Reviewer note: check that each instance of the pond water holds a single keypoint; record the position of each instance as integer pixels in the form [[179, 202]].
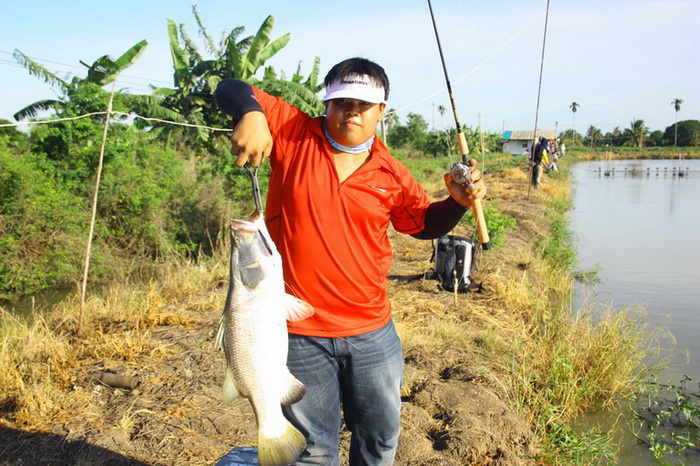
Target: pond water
[[638, 223]]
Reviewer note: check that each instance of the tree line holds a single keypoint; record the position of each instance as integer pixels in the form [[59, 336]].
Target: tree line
[[680, 134]]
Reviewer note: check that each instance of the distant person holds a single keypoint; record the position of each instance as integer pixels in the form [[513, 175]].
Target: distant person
[[562, 149], [538, 157]]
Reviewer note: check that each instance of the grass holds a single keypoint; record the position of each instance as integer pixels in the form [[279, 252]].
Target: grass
[[564, 361], [42, 355], [551, 361]]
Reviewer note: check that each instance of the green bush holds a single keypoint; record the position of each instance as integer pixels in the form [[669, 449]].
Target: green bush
[[41, 227], [155, 202]]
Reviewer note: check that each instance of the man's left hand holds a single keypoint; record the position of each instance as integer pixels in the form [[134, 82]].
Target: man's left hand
[[461, 193]]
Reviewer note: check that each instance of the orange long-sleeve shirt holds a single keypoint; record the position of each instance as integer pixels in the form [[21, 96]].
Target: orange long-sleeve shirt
[[333, 236]]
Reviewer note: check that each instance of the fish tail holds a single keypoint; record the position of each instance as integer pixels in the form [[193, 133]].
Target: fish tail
[[282, 450]]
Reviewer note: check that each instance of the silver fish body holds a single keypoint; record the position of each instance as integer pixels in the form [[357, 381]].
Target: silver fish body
[[254, 337]]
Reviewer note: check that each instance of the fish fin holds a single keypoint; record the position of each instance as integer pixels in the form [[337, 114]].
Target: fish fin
[[281, 450], [298, 309], [219, 340], [230, 390], [295, 391]]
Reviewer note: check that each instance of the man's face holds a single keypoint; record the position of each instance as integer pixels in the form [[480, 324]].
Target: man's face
[[351, 122]]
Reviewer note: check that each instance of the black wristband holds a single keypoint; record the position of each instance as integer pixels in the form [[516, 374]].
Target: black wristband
[[236, 98]]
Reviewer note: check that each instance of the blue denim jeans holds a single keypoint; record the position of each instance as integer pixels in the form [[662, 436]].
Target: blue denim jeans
[[363, 375]]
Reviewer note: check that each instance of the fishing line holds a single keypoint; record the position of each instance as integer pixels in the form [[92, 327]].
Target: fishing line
[[483, 63], [537, 110], [128, 115]]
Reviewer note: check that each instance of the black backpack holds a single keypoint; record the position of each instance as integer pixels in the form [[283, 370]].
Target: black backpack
[[454, 258]]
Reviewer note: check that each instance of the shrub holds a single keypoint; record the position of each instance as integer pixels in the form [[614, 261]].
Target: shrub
[[40, 227]]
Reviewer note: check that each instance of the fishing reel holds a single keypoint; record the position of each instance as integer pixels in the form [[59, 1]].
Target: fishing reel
[[460, 172]]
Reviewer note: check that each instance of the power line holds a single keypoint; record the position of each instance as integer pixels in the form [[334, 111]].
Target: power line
[[42, 61], [129, 115]]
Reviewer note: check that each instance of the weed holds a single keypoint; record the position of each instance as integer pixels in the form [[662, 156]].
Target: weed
[[496, 222], [666, 418]]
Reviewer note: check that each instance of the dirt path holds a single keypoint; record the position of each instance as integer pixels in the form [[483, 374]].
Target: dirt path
[[455, 411]]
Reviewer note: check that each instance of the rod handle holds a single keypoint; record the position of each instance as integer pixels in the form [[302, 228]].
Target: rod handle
[[462, 147], [478, 212], [481, 229]]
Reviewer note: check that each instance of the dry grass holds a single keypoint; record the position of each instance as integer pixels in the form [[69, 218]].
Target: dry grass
[[42, 357]]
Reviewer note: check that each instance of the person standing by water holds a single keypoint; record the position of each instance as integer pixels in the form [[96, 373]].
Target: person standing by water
[[334, 190], [538, 157]]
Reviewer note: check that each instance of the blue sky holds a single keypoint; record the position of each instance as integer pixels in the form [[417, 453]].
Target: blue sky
[[620, 60]]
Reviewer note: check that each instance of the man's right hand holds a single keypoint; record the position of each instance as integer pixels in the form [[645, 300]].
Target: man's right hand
[[251, 140]]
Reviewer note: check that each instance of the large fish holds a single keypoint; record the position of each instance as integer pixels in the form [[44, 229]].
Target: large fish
[[253, 334]]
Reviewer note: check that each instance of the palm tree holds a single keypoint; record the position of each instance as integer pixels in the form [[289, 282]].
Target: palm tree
[[574, 107], [636, 133], [677, 106], [441, 110], [102, 72], [594, 135]]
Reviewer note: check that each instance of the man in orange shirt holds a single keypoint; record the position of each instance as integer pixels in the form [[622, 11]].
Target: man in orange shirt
[[334, 190]]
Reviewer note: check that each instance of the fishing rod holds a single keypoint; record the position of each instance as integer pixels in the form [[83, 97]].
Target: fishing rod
[[460, 171]]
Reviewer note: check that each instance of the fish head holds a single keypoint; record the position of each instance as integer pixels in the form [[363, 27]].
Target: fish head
[[256, 256]]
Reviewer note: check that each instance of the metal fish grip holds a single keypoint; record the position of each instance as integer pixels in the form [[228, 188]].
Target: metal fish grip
[[253, 172]]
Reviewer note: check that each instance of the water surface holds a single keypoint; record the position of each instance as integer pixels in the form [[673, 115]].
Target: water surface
[[639, 222], [641, 226]]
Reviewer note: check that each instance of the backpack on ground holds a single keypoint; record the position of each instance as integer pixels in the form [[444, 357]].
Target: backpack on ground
[[454, 258]]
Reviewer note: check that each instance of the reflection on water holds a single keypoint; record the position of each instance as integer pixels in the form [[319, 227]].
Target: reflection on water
[[639, 222]]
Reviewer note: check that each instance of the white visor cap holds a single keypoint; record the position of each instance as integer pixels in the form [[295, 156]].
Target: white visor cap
[[355, 86]]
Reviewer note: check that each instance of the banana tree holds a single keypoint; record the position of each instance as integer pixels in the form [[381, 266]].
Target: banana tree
[[183, 102], [102, 72], [298, 92], [195, 78]]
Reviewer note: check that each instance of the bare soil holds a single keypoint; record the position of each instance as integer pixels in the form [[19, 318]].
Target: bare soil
[[456, 408]]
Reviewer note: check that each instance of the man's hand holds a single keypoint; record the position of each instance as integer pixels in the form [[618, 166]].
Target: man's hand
[[251, 140], [461, 193]]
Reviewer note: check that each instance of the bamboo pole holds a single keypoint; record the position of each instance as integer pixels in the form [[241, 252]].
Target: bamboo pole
[[88, 247]]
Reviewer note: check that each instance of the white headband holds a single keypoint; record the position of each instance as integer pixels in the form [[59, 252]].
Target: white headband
[[356, 86]]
